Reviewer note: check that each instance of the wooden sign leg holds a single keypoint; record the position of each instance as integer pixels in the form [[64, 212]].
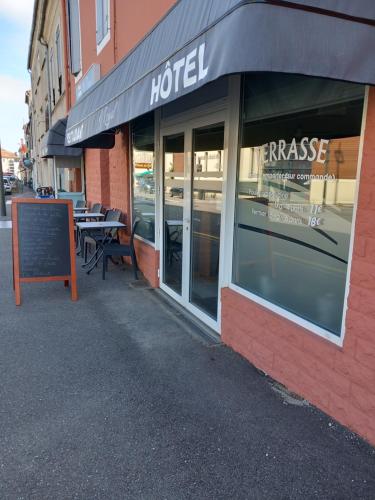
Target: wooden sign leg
[[17, 291], [73, 289]]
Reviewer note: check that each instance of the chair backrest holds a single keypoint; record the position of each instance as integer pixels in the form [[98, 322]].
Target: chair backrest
[[134, 228], [96, 208], [80, 203], [167, 235], [113, 215]]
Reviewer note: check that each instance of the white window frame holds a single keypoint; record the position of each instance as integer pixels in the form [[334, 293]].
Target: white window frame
[[100, 46], [229, 231]]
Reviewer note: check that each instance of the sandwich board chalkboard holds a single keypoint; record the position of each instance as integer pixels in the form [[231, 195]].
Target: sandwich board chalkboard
[[43, 243]]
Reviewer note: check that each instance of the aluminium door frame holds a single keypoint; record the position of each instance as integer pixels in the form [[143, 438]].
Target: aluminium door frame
[[185, 123]]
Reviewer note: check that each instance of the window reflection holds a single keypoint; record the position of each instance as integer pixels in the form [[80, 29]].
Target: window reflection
[[173, 210], [295, 192], [143, 157], [208, 146]]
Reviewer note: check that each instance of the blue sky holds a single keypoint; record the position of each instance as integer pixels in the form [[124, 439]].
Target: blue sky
[[15, 25]]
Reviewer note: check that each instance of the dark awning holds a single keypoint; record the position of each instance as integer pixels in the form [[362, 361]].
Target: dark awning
[[54, 142], [198, 42]]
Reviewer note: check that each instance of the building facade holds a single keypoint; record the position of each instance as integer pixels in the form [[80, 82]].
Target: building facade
[[10, 162], [48, 59], [26, 149], [247, 159]]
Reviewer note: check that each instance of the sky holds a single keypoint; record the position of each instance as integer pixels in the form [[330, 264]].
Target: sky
[[15, 26]]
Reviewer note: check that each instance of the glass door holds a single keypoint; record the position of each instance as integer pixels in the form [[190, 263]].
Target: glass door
[[192, 187], [173, 210], [206, 200]]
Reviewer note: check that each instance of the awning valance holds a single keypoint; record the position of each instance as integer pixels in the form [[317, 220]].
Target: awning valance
[[54, 142], [198, 42]]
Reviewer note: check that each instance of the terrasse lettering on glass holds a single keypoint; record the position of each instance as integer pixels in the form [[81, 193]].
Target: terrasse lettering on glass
[[306, 149]]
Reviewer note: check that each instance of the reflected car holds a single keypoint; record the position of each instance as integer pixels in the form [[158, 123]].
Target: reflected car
[[7, 186], [176, 191]]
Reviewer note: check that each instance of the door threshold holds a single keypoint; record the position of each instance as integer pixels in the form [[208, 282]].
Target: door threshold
[[188, 321]]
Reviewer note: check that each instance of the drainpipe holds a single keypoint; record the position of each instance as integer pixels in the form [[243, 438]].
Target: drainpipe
[[45, 45]]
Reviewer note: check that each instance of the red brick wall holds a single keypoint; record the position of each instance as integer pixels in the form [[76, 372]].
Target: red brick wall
[[148, 261], [119, 171], [119, 182], [92, 175], [107, 171], [134, 20], [340, 381], [96, 176]]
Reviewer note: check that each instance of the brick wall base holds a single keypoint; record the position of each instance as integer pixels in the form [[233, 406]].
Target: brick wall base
[[148, 261], [330, 377]]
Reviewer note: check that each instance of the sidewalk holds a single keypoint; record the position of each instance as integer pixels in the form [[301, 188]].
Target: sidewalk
[[118, 396], [27, 193]]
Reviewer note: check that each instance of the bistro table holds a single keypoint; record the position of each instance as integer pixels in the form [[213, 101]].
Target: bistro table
[[107, 238], [81, 209], [80, 217]]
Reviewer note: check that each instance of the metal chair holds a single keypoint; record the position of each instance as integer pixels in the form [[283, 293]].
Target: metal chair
[[96, 208], [98, 236], [80, 204], [172, 244], [116, 249]]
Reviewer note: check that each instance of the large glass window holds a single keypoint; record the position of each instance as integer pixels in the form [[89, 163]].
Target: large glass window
[[69, 175], [296, 185], [143, 157], [69, 180]]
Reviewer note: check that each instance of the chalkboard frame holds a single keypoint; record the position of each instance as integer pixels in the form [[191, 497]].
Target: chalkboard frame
[[70, 279]]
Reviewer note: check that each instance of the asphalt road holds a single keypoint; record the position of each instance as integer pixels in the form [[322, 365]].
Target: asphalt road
[[118, 396]]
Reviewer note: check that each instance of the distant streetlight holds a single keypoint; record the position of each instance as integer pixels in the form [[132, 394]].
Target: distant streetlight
[[3, 211]]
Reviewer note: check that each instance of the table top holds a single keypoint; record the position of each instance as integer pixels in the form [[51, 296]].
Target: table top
[[81, 209], [89, 215], [100, 225]]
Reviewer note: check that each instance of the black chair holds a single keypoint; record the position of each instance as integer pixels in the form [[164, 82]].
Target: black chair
[[98, 236], [80, 204], [116, 249], [96, 208], [172, 244]]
